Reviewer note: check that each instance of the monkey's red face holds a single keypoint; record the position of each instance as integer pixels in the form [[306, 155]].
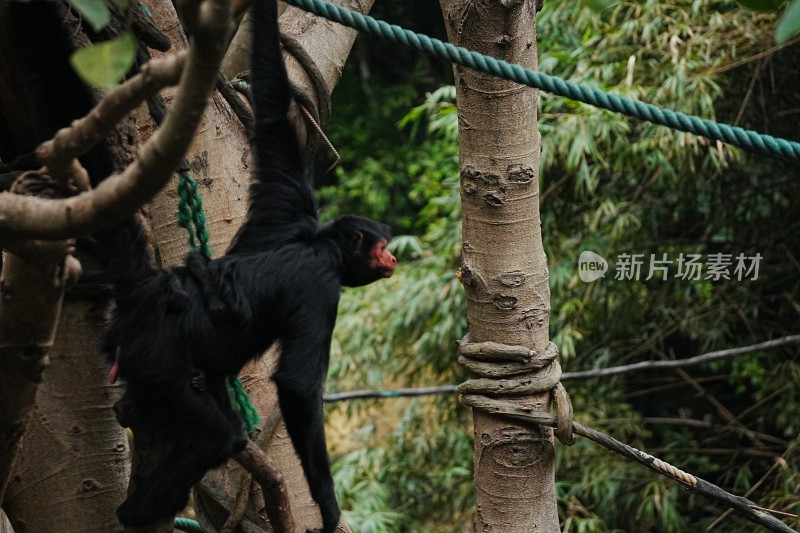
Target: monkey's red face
[[368, 258], [382, 260]]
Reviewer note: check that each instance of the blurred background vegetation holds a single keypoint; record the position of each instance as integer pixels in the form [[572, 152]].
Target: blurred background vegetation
[[610, 185]]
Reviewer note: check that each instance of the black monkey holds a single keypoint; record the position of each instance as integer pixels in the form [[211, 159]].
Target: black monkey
[[178, 335]]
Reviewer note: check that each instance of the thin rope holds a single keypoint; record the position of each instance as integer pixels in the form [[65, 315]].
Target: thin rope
[[241, 400], [190, 213], [750, 140], [187, 524]]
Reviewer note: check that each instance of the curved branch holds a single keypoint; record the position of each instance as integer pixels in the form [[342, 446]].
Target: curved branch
[[278, 507]]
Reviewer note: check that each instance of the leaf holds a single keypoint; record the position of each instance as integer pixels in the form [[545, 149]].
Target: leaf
[[764, 6], [105, 64], [789, 24], [94, 11]]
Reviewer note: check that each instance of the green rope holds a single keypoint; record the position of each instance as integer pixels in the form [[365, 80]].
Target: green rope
[[190, 213], [241, 401], [186, 524], [736, 136]]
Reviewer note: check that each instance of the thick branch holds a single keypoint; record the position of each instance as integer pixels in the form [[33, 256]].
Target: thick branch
[[31, 291], [59, 153], [276, 497]]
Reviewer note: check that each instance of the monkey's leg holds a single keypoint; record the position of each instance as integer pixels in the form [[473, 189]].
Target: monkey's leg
[[302, 413], [203, 439]]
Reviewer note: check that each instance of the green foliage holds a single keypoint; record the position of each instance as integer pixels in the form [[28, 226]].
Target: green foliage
[[355, 473], [96, 12], [105, 64], [416, 478], [610, 185], [421, 322], [375, 176], [789, 25]]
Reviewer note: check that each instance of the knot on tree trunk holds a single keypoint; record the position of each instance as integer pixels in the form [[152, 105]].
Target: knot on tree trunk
[[500, 370]]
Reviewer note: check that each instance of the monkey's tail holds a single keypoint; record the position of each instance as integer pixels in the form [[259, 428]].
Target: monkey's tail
[[279, 194], [269, 82]]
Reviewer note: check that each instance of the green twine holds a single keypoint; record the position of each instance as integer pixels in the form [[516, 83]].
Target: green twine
[[241, 401], [736, 136], [190, 213], [186, 524]]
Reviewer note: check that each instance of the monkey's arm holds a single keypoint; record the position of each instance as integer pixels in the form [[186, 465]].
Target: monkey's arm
[[280, 196]]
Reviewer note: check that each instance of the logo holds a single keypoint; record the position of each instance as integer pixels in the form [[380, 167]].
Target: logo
[[591, 267]]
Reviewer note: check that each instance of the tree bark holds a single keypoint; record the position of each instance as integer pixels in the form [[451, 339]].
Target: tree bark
[[5, 525], [31, 292], [504, 268], [75, 461]]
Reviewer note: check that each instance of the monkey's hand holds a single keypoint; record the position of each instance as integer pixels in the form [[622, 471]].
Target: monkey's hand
[[198, 380]]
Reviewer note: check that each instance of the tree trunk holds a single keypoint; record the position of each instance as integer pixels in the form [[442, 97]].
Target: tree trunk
[[74, 464], [72, 470], [32, 288], [504, 267], [5, 525]]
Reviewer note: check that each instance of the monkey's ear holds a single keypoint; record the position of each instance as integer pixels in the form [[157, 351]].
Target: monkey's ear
[[355, 242]]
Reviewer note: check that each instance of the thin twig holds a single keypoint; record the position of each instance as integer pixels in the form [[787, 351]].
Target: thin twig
[[690, 422]]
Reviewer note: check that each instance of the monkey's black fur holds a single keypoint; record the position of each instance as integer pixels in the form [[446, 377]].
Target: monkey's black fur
[[279, 282]]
